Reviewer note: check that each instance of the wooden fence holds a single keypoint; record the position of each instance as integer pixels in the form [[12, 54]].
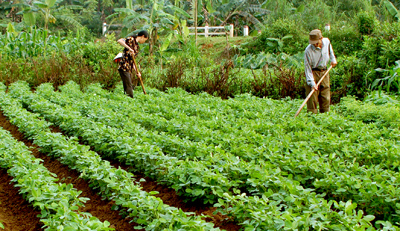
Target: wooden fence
[[207, 31]]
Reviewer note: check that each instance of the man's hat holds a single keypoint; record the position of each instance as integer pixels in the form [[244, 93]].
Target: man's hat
[[315, 36]]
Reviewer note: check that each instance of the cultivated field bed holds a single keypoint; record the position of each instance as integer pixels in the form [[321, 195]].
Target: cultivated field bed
[[246, 163]]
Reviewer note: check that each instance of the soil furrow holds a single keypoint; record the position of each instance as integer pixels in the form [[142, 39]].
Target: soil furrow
[[16, 213]]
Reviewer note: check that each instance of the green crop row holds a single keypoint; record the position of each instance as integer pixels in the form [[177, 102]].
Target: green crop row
[[272, 207], [243, 129], [374, 188], [114, 184], [344, 180], [59, 203], [257, 117]]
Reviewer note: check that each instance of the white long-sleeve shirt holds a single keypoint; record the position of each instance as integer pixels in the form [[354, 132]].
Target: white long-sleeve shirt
[[317, 57]]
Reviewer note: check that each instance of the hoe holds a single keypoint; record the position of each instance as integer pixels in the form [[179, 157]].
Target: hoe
[[312, 92]]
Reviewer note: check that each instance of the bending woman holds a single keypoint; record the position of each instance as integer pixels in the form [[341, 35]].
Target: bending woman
[[127, 65]]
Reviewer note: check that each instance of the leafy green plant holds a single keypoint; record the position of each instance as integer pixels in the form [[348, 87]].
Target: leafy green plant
[[380, 98], [276, 44], [114, 184], [378, 108], [392, 79]]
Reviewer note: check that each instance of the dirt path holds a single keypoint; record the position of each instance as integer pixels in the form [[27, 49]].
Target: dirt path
[[21, 216]]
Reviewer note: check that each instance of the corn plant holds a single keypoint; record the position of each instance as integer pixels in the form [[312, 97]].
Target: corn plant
[[36, 42]]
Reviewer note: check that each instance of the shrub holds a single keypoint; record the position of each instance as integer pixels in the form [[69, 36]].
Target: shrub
[[345, 40], [381, 49], [365, 23], [278, 83], [352, 76], [278, 30], [315, 15]]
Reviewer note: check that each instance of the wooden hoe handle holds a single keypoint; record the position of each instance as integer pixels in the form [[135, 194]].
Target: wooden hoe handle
[[312, 92], [139, 76]]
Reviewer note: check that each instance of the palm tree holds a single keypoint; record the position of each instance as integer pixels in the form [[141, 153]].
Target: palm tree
[[250, 11]]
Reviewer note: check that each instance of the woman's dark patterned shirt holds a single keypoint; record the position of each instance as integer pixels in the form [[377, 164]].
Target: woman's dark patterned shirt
[[126, 63]]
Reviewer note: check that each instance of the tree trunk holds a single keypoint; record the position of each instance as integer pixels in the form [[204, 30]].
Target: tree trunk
[[195, 20]]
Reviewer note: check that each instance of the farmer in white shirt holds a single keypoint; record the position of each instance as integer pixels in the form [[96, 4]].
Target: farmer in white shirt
[[316, 57]]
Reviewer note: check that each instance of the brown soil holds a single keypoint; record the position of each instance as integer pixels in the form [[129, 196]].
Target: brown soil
[[17, 214]]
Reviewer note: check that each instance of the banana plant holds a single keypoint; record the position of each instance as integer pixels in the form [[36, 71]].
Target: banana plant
[[45, 8], [159, 16], [393, 11], [50, 9], [277, 44], [164, 47]]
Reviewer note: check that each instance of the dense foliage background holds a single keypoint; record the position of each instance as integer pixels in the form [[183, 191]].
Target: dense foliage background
[[60, 40]]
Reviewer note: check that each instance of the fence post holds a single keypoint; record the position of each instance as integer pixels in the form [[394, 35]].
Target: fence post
[[246, 31], [206, 30], [327, 27], [104, 28], [231, 31]]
